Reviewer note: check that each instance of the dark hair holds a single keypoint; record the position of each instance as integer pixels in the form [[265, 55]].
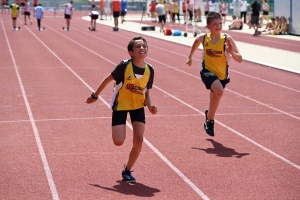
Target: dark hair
[[131, 42], [213, 15]]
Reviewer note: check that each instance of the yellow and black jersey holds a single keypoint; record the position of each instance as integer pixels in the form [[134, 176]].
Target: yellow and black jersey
[[131, 84], [215, 56], [14, 8]]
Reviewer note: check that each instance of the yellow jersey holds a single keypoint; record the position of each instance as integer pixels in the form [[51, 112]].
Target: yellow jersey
[[214, 56], [130, 94], [14, 10]]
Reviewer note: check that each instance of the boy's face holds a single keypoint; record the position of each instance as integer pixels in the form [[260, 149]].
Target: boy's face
[[139, 50], [215, 25]]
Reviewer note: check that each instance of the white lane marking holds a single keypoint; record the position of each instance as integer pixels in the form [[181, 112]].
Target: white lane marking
[[33, 125]]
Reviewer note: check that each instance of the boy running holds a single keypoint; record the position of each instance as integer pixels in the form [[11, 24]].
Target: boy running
[[133, 81], [214, 73]]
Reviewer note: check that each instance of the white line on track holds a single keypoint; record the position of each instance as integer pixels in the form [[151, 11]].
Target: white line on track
[[173, 167], [195, 109], [34, 127], [148, 116]]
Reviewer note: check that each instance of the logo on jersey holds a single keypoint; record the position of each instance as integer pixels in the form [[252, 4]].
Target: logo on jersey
[[128, 78], [213, 53], [206, 44], [134, 89]]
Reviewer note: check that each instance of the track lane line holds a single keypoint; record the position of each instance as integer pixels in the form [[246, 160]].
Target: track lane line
[[33, 125]]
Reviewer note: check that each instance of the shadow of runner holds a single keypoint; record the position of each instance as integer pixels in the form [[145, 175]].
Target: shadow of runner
[[137, 189], [221, 151]]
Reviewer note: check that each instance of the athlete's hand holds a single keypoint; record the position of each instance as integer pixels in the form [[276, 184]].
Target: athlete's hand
[[189, 61], [228, 45], [153, 109], [90, 100]]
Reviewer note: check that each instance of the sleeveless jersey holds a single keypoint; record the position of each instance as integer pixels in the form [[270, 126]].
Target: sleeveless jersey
[[214, 56], [14, 9], [131, 95]]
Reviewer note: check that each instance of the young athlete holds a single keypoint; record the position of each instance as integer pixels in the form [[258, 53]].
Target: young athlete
[[68, 13], [14, 14], [38, 13], [94, 16], [214, 73], [133, 81], [27, 12]]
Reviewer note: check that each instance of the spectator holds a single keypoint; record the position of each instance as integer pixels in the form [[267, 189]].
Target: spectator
[[152, 10], [265, 16], [160, 9], [166, 5], [237, 23], [271, 25], [244, 8], [176, 11], [206, 8], [101, 9], [281, 29], [93, 5], [183, 6], [116, 8], [224, 11], [107, 9], [212, 6], [255, 8], [236, 4], [197, 10], [123, 10]]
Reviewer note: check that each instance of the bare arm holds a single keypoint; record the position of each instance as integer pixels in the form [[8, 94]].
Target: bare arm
[[195, 46], [232, 49], [151, 108], [102, 85]]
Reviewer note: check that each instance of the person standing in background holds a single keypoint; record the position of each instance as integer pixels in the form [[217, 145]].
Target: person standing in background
[[244, 8], [236, 4], [255, 8], [68, 13], [123, 10], [116, 8], [27, 12]]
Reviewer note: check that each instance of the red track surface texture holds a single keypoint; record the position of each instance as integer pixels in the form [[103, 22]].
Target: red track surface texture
[[54, 146]]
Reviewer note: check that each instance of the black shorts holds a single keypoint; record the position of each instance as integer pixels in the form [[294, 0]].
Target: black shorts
[[254, 20], [162, 18], [116, 14], [35, 5], [22, 4], [93, 6], [208, 78], [94, 16], [265, 12], [119, 117], [206, 12], [123, 13], [67, 16], [27, 13]]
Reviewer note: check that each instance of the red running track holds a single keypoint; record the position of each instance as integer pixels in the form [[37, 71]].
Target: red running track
[[54, 146]]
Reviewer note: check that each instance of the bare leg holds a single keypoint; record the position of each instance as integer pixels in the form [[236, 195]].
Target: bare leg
[[215, 98], [138, 137]]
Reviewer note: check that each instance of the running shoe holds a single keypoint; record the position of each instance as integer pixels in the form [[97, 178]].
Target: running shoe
[[209, 127], [127, 177]]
